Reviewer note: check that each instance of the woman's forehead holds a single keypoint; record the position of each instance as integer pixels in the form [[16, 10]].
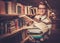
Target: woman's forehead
[[41, 6]]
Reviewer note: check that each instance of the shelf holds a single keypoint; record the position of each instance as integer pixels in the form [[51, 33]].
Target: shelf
[[9, 34], [8, 14], [31, 14]]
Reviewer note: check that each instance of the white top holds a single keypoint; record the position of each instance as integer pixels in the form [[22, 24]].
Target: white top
[[44, 19]]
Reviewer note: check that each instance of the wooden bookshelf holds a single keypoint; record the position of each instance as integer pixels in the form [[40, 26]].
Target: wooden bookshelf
[[10, 11], [9, 34]]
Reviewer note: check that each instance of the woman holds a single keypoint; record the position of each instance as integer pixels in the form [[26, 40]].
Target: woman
[[42, 16]]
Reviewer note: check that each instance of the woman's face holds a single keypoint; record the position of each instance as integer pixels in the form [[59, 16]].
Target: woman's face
[[42, 9]]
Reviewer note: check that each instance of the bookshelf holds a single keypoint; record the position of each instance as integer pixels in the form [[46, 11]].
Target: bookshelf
[[12, 25], [10, 22], [9, 12], [9, 34]]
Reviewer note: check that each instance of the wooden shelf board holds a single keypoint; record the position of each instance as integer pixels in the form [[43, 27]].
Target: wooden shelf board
[[8, 15]]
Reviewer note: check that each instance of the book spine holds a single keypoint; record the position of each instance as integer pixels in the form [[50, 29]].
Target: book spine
[[1, 29]]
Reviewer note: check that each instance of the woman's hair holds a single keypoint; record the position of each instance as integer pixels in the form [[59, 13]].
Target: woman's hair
[[46, 7], [43, 3]]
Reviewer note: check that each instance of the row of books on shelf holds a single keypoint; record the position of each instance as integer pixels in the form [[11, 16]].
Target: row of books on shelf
[[10, 26]]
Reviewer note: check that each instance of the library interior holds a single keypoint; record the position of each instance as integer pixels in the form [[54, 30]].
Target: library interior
[[29, 21]]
